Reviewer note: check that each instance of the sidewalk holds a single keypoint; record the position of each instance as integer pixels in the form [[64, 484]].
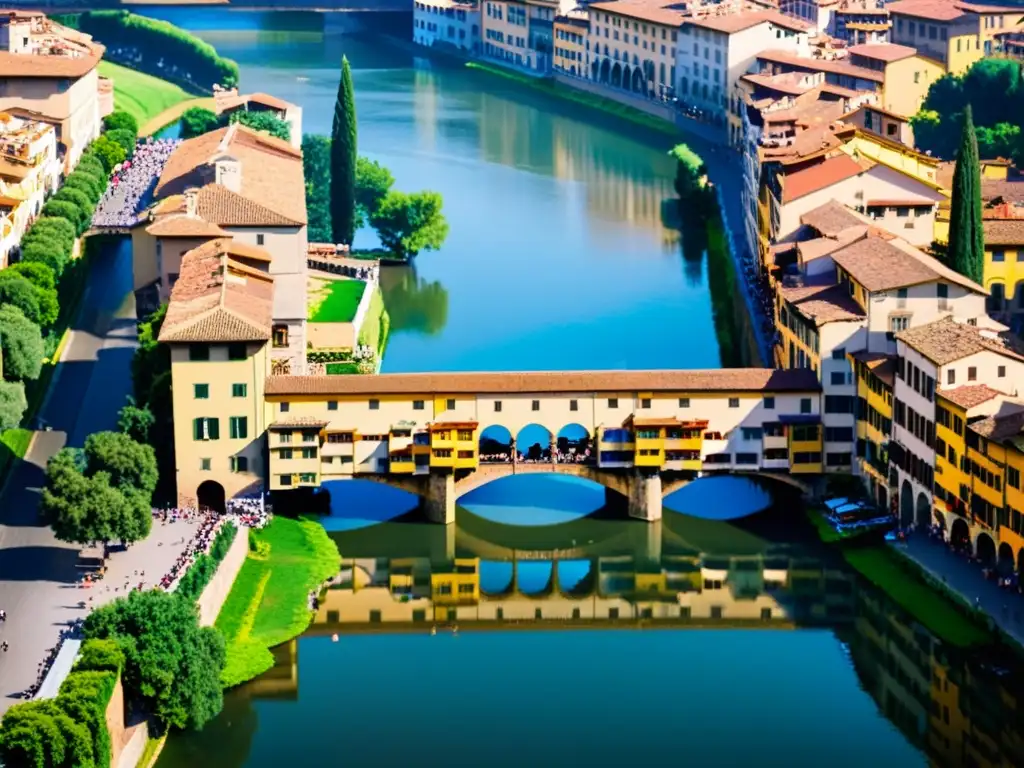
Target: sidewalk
[[1006, 608]]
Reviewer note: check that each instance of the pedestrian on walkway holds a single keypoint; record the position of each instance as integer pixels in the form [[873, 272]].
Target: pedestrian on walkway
[[3, 615]]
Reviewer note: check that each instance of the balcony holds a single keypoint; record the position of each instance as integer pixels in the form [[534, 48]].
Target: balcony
[[654, 459], [684, 443], [401, 465]]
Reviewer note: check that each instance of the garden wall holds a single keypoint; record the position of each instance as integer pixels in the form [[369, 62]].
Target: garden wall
[[216, 592]]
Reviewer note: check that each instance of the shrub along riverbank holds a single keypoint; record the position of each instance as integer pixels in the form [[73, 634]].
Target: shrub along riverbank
[[269, 602]]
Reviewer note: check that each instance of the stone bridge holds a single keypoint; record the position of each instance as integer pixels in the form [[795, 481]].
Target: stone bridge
[[643, 490]]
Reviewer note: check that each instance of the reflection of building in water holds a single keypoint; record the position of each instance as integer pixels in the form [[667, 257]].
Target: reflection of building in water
[[282, 680], [425, 98], [960, 709], [673, 588]]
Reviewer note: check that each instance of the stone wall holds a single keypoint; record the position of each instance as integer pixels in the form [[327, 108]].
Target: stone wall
[[216, 592]]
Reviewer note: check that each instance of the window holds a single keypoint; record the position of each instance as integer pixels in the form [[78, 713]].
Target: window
[[308, 453], [972, 373], [201, 391], [198, 351], [645, 402], [1013, 477], [837, 378], [839, 353], [285, 453], [450, 404], [497, 406], [204, 465], [951, 376], [260, 239], [236, 351], [613, 402], [374, 405], [285, 479], [769, 403], [535, 405], [998, 256], [839, 434], [285, 407], [280, 334], [898, 323], [239, 390], [574, 405], [238, 427], [206, 429], [1001, 372], [838, 459], [239, 464], [307, 477], [805, 405], [734, 402], [332, 405], [417, 405], [284, 437]]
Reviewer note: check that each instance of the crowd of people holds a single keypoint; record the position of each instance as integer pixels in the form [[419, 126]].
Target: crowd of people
[[571, 456], [73, 630], [132, 182], [252, 513]]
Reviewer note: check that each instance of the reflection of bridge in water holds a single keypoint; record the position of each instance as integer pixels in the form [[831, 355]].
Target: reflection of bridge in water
[[652, 573]]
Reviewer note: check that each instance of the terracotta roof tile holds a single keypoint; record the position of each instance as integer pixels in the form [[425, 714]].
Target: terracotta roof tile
[[297, 422], [718, 380], [946, 341], [653, 12], [271, 174], [218, 204], [831, 218], [834, 66], [882, 366], [879, 265], [207, 306], [887, 52], [934, 10], [184, 226], [823, 304], [730, 23], [969, 396], [269, 101], [1000, 428], [1004, 231], [812, 178], [86, 55]]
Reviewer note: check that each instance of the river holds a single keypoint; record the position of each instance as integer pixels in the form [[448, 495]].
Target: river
[[563, 254]]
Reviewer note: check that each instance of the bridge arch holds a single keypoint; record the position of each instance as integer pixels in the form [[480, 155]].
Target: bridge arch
[[924, 511], [627, 77], [496, 444], [1005, 561], [616, 75], [606, 70], [572, 443], [533, 443], [575, 577], [906, 504], [959, 533], [497, 577], [534, 577], [985, 550]]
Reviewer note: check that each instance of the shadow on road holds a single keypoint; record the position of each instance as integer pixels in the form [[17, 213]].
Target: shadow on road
[[39, 563]]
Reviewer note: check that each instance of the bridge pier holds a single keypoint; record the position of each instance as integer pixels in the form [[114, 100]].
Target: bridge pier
[[645, 496], [439, 502]]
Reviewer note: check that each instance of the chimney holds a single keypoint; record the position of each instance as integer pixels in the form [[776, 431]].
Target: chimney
[[191, 202]]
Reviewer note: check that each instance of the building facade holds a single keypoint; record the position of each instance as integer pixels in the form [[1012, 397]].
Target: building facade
[[447, 23], [30, 170]]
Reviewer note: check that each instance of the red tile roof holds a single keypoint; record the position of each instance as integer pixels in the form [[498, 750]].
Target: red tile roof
[[887, 52], [820, 175], [969, 396], [835, 66]]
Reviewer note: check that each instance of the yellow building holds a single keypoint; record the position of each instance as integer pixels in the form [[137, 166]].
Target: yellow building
[[1004, 264], [505, 32], [954, 34], [907, 75], [571, 39], [876, 375], [218, 326]]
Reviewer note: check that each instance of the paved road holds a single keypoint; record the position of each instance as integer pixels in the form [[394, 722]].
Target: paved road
[[1005, 607], [36, 571]]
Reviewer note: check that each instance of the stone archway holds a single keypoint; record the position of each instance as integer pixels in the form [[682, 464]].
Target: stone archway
[[606, 71], [573, 443], [638, 83], [616, 75], [1020, 562], [924, 511], [960, 534], [996, 301], [627, 77], [210, 496], [496, 445], [595, 70], [1005, 561], [906, 505], [985, 549]]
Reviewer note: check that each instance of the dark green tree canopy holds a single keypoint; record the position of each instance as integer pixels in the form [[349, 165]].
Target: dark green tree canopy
[[373, 182], [408, 223], [64, 210], [172, 665], [22, 344], [343, 160], [134, 421], [263, 121], [131, 465], [316, 166], [119, 120], [12, 404], [38, 304], [36, 273], [124, 139], [966, 229], [195, 121], [85, 183]]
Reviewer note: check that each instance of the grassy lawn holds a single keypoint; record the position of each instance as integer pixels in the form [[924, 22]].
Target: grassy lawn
[[581, 97], [904, 582], [13, 445], [336, 301], [142, 96], [268, 604], [374, 333]]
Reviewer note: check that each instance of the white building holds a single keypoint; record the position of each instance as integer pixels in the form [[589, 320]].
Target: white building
[[446, 24], [716, 48], [29, 171], [945, 354]]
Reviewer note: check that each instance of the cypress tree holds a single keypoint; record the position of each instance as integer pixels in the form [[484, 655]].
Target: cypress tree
[[966, 235], [343, 160]]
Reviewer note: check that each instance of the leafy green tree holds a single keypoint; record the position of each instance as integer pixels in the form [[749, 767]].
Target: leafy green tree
[[987, 86], [80, 509], [134, 421], [316, 166], [343, 160], [119, 120], [408, 223], [131, 465], [373, 182], [195, 121], [40, 733], [91, 164], [124, 139], [76, 197], [45, 251], [263, 121], [690, 170], [61, 230], [151, 358], [12, 404], [966, 233], [65, 210], [108, 152], [85, 183], [40, 275], [22, 344], [18, 292], [998, 141], [172, 665]]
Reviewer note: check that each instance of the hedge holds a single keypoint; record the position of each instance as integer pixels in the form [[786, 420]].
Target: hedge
[[202, 570], [200, 60]]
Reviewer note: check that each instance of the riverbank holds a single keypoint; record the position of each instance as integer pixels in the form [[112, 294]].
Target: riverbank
[[172, 114], [269, 601], [143, 96]]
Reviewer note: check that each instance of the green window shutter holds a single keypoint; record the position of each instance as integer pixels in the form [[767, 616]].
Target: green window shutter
[[197, 429], [213, 425], [243, 427]]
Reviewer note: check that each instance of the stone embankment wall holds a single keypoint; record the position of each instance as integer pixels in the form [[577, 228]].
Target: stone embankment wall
[[217, 590]]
